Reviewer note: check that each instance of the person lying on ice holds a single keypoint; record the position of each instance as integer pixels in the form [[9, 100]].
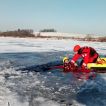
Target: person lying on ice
[[88, 55]]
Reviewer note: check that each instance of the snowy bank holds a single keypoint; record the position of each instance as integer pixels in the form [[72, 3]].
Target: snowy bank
[[58, 34], [9, 45]]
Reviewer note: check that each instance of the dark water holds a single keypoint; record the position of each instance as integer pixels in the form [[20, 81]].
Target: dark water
[[62, 88]]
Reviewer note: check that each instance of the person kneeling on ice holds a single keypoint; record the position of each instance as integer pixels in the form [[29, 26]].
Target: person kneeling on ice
[[88, 55]]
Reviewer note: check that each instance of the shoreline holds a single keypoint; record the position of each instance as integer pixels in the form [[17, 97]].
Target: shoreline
[[91, 39]]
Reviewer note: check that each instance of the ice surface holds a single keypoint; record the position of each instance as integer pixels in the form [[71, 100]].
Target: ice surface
[[8, 45], [45, 88]]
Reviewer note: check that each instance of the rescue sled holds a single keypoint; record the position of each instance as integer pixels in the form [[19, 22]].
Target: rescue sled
[[99, 65]]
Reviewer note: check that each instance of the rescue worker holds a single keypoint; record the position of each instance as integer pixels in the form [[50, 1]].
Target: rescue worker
[[88, 55]]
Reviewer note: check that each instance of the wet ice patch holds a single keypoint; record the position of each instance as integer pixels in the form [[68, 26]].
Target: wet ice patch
[[95, 90]]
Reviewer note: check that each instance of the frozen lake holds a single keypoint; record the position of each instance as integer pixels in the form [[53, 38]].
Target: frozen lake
[[45, 88]]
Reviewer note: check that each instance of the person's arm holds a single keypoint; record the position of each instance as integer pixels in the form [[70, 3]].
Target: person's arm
[[86, 60], [75, 58]]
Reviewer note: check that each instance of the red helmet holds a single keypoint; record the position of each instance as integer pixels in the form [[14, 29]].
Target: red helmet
[[76, 48]]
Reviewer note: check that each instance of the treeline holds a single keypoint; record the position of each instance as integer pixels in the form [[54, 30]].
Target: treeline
[[18, 33], [23, 33], [48, 30], [98, 39], [86, 38], [30, 33]]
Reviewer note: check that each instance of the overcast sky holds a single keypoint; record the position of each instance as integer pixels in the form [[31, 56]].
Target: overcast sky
[[73, 16]]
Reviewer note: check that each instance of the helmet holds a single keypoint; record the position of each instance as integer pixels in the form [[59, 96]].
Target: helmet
[[76, 48], [65, 58]]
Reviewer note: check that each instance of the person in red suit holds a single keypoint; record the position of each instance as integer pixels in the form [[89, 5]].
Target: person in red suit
[[88, 55]]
